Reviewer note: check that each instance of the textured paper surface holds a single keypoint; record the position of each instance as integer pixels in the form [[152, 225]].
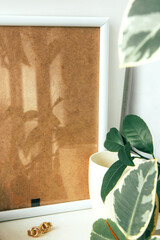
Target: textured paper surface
[[48, 113]]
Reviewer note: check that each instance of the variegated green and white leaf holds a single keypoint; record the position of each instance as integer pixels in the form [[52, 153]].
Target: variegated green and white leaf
[[139, 40], [106, 230], [152, 224], [135, 199], [154, 238], [101, 231]]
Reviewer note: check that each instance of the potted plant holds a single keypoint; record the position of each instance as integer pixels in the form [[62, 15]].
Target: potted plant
[[135, 202], [135, 211], [138, 43]]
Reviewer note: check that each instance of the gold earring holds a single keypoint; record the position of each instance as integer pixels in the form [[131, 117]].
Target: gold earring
[[35, 232], [45, 226]]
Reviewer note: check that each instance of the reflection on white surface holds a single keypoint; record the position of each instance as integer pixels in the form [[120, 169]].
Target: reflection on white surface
[[70, 226]]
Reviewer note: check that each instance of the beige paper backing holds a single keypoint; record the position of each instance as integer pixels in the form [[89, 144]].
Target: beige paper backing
[[48, 113]]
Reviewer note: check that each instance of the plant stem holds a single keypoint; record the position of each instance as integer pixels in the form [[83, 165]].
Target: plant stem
[[139, 154], [153, 156]]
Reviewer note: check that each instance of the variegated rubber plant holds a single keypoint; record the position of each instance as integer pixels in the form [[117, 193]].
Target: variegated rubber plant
[[134, 207], [135, 201]]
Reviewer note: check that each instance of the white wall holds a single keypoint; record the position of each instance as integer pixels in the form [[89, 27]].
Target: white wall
[[106, 8], [145, 98]]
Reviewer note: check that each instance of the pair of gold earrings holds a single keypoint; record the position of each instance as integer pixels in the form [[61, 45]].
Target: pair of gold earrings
[[37, 231]]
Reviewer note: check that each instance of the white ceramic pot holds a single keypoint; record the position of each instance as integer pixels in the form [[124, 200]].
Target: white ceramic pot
[[99, 163]]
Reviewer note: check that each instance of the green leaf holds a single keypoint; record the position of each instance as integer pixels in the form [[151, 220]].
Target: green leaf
[[125, 156], [114, 140], [111, 178], [137, 133], [101, 231], [158, 168], [158, 190], [152, 224], [116, 230], [148, 8], [106, 230], [134, 201], [140, 33]]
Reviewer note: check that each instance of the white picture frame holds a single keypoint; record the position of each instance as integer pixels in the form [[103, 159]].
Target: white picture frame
[[103, 24]]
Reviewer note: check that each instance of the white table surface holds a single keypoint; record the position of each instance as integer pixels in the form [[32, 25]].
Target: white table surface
[[75, 225]]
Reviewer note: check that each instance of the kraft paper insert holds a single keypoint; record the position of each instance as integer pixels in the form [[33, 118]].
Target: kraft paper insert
[[49, 81]]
